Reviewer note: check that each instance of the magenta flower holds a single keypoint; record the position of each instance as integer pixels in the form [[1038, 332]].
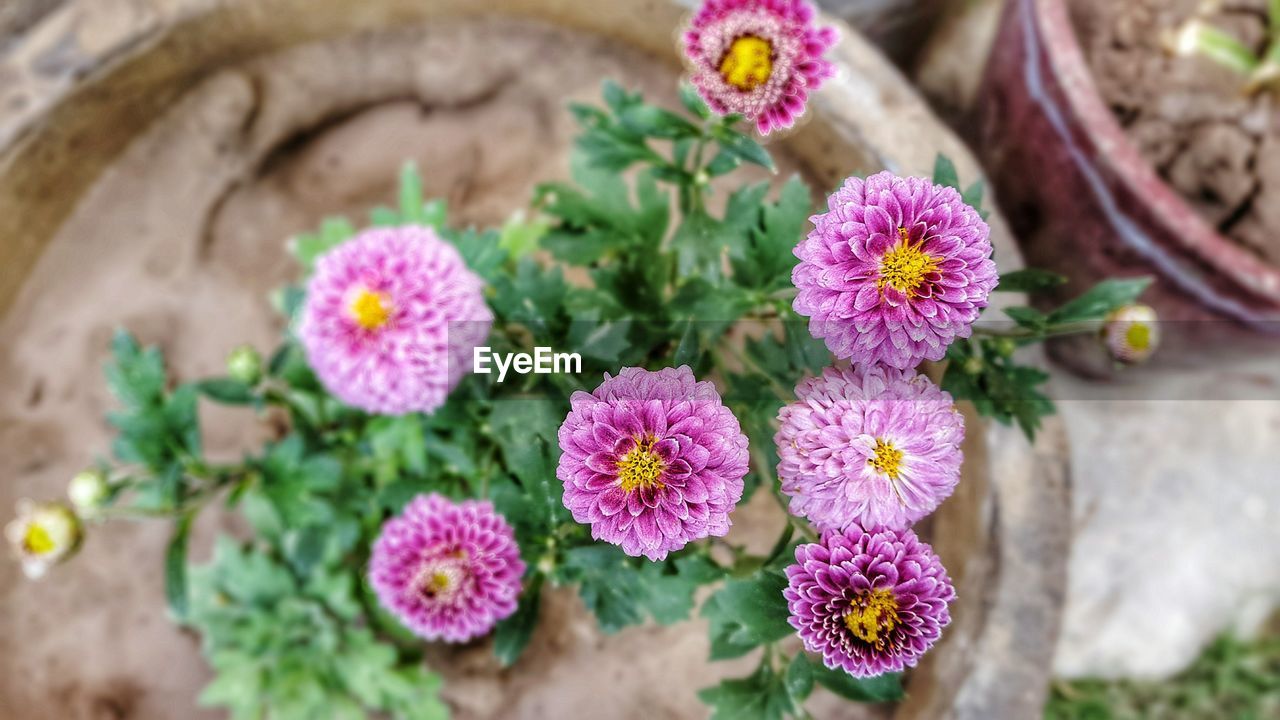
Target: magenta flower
[[391, 319], [870, 602], [758, 58], [894, 271], [652, 461], [875, 447], [449, 571]]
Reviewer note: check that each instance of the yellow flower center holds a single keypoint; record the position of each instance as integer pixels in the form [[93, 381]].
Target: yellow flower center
[[887, 460], [873, 616], [1138, 337], [38, 541], [905, 266], [370, 309], [439, 580], [748, 63], [641, 468]]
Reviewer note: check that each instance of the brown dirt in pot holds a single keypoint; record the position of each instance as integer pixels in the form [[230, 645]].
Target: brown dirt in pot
[[1189, 116], [182, 240]]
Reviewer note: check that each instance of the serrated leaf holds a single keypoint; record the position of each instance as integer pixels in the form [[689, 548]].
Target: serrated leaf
[[766, 258], [760, 696], [603, 340], [754, 605]]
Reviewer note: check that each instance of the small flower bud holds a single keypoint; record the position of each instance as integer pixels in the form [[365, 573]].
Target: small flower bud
[[974, 365], [547, 563], [87, 490], [245, 364], [43, 535], [1131, 334]]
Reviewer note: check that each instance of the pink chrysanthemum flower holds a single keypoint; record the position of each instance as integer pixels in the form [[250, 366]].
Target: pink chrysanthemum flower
[[392, 317], [758, 58], [894, 271], [652, 460], [870, 602], [449, 571], [875, 447], [1131, 334]]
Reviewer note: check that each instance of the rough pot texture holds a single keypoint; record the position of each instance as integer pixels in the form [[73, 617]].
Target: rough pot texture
[[110, 105], [1096, 208]]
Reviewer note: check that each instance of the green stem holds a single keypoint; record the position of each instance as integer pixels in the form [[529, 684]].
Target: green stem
[[1079, 328]]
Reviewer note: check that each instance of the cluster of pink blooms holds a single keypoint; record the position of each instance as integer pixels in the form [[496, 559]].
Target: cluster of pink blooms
[[895, 271], [892, 273]]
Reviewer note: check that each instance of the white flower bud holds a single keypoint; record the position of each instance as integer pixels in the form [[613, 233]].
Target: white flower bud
[[43, 535], [1131, 334], [87, 490]]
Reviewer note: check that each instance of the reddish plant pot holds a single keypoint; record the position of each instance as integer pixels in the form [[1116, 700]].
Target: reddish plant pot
[[1086, 204]]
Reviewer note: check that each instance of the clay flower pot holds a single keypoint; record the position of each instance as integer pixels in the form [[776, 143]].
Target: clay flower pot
[[141, 136], [1085, 203]]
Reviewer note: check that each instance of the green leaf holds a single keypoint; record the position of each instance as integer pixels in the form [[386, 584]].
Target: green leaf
[[1028, 317], [513, 634], [520, 236], [526, 430], [622, 591], [972, 196], [227, 391], [689, 347], [308, 247], [799, 679], [175, 569], [603, 340], [882, 688], [945, 174], [761, 696], [482, 251], [693, 102], [699, 243], [1100, 300], [1030, 280], [656, 122], [135, 376], [722, 164], [771, 232], [744, 148], [747, 613], [384, 217]]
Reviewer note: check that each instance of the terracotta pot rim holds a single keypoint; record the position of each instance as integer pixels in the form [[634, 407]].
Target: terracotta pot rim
[[1122, 159]]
